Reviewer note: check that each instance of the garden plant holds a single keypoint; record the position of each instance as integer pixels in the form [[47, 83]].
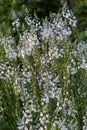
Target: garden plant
[[43, 73]]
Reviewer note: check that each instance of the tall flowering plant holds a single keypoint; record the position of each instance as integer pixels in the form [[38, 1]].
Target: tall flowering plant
[[41, 74]]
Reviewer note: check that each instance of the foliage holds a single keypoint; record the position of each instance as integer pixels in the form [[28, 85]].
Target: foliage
[[43, 73]]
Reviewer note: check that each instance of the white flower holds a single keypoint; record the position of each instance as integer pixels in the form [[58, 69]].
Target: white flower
[[41, 128]]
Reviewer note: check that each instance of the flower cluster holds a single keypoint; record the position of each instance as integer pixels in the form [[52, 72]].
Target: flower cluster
[[43, 70]]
